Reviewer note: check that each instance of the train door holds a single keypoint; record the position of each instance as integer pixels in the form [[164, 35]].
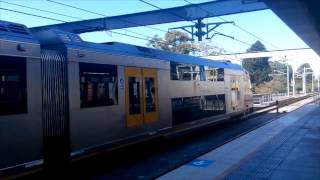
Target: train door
[[141, 96], [235, 92], [150, 95]]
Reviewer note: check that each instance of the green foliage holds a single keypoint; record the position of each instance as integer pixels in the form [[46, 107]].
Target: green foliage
[[179, 42], [174, 41], [258, 68], [304, 65], [308, 77], [207, 48], [256, 47], [300, 70], [275, 65], [276, 85]]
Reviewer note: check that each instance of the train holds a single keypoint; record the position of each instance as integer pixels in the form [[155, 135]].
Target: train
[[103, 93]]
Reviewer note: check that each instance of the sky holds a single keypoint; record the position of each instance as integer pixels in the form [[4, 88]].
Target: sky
[[264, 24]]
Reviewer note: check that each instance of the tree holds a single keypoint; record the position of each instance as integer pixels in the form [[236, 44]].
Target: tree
[[304, 65], [278, 66], [179, 42], [258, 68], [257, 47], [207, 48], [278, 84], [174, 41]]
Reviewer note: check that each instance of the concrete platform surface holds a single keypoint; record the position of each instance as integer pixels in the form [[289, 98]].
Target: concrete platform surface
[[287, 148]]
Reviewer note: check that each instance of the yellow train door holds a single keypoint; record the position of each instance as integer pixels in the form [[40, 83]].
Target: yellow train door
[[150, 95], [141, 96], [134, 97]]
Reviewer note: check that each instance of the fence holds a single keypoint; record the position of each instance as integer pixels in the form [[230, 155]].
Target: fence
[[266, 99]]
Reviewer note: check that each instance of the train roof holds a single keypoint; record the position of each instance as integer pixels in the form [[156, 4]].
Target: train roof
[[170, 56], [16, 32], [55, 37]]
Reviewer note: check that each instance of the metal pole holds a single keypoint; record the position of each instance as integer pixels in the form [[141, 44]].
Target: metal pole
[[288, 83], [312, 84], [293, 84], [304, 81], [199, 28], [318, 94], [319, 84]]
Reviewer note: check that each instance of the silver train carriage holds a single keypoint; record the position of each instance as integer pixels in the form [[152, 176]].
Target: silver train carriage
[[103, 93]]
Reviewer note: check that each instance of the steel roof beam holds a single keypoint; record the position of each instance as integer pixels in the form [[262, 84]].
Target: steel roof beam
[[182, 13]]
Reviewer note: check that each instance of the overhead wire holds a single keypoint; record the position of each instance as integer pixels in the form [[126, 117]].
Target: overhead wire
[[28, 7], [58, 20], [159, 8], [248, 32], [236, 25], [41, 10], [148, 3], [103, 15], [34, 15], [235, 39], [92, 12], [63, 4]]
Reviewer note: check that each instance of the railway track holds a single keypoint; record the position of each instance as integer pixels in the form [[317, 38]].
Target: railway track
[[151, 159]]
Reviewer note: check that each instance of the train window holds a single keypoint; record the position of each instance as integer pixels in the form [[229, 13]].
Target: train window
[[98, 85], [220, 74], [150, 96], [13, 92], [173, 71], [214, 74], [202, 73], [134, 95], [210, 73], [193, 108], [187, 72], [212, 103]]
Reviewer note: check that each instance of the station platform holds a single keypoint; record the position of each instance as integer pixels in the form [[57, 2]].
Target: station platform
[[285, 148]]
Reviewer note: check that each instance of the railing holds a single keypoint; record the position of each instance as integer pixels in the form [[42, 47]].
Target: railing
[[316, 97], [267, 99], [262, 100]]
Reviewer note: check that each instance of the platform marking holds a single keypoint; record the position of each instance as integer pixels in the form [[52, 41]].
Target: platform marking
[[200, 163]]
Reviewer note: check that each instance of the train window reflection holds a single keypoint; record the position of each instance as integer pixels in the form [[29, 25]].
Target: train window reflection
[[212, 103], [98, 85], [134, 95], [186, 109], [150, 97], [220, 74], [187, 72], [13, 93], [214, 74]]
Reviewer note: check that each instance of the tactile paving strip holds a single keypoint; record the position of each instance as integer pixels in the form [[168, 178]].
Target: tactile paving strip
[[265, 161]]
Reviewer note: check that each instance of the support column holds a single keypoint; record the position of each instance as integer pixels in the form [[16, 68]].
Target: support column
[[319, 84], [288, 81], [312, 87], [293, 85], [304, 81]]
